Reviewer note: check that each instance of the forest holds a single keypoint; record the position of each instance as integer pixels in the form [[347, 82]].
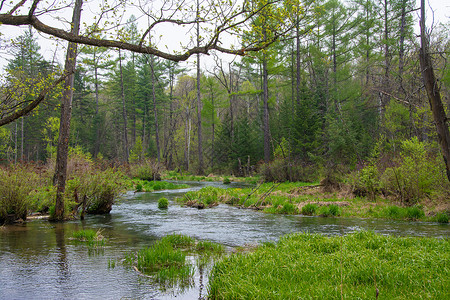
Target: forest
[[283, 149], [335, 94]]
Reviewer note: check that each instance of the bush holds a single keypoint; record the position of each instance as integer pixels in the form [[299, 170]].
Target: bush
[[334, 210], [148, 170], [16, 184], [414, 213], [417, 174], [309, 209], [442, 218], [368, 181], [163, 203], [281, 170], [226, 180], [97, 190], [394, 212], [288, 209], [330, 210]]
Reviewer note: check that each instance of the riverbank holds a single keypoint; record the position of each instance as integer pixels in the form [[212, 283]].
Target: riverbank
[[317, 200], [362, 265]]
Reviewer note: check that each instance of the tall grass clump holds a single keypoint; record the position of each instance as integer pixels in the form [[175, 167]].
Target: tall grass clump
[[166, 259], [163, 203], [361, 265], [91, 237], [16, 185], [309, 209], [442, 218]]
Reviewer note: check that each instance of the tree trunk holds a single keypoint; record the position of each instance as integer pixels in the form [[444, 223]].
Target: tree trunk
[[97, 119], [297, 41], [66, 112], [124, 111], [199, 100], [401, 52], [155, 112], [434, 96], [266, 111]]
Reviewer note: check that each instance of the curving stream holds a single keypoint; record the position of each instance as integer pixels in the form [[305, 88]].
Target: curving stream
[[39, 261]]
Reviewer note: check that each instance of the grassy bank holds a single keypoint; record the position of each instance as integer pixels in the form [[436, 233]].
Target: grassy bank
[[311, 199], [357, 266]]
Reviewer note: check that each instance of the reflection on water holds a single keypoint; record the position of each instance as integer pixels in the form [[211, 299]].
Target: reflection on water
[[39, 261]]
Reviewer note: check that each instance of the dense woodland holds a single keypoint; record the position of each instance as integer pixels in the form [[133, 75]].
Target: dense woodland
[[341, 89]]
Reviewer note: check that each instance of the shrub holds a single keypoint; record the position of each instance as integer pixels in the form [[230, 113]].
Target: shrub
[[417, 175], [281, 170], [148, 170], [97, 190], [309, 209], [414, 213], [288, 208], [226, 180], [368, 181], [334, 210], [16, 184], [394, 212], [329, 210], [442, 218], [163, 203]]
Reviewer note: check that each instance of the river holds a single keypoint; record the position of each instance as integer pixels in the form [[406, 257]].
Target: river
[[38, 260]]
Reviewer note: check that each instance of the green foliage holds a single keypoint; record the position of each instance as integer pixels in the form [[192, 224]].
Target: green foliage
[[166, 260], [309, 209], [91, 237], [281, 170], [226, 180], [168, 264], [207, 197], [369, 180], [442, 218], [163, 203], [354, 266], [147, 170], [16, 184], [329, 210], [97, 189], [136, 152], [150, 186], [288, 209], [417, 175], [414, 213]]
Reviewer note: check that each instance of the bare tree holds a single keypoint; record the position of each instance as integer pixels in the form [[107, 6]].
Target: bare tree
[[66, 111], [434, 96], [216, 19]]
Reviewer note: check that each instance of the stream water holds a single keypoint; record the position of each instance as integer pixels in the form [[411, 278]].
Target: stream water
[[38, 260]]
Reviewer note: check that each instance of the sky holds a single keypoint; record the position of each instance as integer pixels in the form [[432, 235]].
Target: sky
[[54, 50]]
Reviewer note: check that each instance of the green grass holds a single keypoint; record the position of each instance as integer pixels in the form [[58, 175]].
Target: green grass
[[442, 218], [286, 198], [91, 237], [309, 266], [150, 186], [166, 261], [309, 209], [163, 203]]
